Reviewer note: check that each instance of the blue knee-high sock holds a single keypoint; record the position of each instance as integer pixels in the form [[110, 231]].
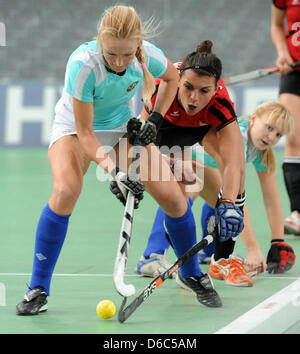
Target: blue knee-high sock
[[190, 201], [182, 232], [157, 241], [207, 212], [50, 236]]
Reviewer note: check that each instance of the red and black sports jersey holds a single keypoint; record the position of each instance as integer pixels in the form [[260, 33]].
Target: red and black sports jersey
[[292, 10], [218, 113]]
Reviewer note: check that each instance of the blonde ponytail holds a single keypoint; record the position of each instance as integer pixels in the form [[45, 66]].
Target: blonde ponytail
[[149, 83], [268, 159]]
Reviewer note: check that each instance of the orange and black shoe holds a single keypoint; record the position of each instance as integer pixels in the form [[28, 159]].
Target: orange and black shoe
[[232, 271]]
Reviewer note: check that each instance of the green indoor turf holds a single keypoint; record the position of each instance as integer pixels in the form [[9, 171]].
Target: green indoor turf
[[83, 273]]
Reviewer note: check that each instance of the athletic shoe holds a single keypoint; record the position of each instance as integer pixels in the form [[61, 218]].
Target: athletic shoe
[[35, 301], [292, 224], [203, 258], [202, 287], [154, 266], [231, 270]]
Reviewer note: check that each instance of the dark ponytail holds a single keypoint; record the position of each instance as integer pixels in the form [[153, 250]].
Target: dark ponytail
[[203, 61]]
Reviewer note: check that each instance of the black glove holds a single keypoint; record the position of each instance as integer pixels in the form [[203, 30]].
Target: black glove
[[142, 132], [122, 184], [156, 118], [134, 126], [281, 257]]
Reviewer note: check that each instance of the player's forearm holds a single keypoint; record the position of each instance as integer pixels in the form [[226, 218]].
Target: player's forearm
[[232, 186], [84, 114], [165, 96], [233, 175], [247, 234], [96, 151], [272, 204], [275, 218], [233, 161], [279, 40]]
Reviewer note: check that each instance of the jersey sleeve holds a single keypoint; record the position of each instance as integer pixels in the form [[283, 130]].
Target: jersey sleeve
[[156, 60], [221, 111], [280, 4], [80, 81]]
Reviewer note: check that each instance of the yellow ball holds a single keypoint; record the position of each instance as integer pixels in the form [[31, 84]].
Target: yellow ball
[[106, 309]]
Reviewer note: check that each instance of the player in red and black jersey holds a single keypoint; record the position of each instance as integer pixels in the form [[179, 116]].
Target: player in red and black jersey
[[192, 114], [203, 112], [287, 43]]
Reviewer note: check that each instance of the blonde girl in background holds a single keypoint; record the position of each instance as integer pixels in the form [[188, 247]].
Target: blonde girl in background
[[261, 131]]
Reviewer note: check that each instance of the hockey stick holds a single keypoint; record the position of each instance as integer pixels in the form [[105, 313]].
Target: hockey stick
[[125, 312], [255, 74], [125, 235], [123, 248]]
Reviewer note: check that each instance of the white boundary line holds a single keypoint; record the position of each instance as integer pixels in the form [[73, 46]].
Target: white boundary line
[[71, 275], [109, 275], [273, 316]]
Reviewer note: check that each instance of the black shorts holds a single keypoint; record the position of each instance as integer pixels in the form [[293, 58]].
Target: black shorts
[[171, 135], [290, 83]]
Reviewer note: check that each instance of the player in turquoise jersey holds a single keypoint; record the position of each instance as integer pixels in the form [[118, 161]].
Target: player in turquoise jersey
[[88, 79], [269, 122], [95, 111]]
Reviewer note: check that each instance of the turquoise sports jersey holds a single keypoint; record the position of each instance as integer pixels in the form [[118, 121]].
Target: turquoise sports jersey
[[251, 153], [88, 80]]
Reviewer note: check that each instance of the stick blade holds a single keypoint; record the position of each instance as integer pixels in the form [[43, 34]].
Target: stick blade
[[121, 313]]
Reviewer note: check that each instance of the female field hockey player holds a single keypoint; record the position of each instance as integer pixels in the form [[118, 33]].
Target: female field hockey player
[[269, 122], [201, 112], [287, 44], [102, 78], [261, 131]]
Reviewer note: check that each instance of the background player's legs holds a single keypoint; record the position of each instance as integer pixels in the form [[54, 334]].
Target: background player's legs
[[154, 260], [157, 241], [179, 219], [291, 164], [206, 212]]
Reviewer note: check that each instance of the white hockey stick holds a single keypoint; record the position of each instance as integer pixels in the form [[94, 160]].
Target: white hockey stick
[[255, 74], [123, 289], [123, 248]]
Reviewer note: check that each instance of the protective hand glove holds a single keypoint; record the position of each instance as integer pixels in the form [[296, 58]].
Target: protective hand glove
[[281, 257], [229, 220], [122, 184], [147, 134], [141, 132], [133, 128]]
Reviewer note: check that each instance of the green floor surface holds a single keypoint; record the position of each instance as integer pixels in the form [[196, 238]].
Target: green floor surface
[[83, 272]]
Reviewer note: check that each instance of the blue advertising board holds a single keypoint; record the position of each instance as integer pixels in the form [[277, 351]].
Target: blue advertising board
[[27, 108]]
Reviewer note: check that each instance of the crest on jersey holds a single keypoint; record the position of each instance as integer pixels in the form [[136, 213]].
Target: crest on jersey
[[132, 86]]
